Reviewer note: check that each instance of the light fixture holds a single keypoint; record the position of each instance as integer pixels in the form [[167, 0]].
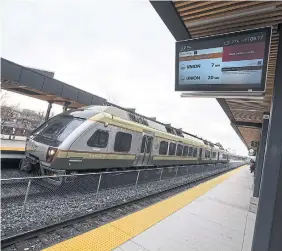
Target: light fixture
[[233, 95]]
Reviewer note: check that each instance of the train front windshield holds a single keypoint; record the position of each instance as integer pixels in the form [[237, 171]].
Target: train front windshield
[[56, 130]]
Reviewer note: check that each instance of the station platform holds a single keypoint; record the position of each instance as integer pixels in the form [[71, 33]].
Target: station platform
[[12, 149], [13, 137], [215, 215]]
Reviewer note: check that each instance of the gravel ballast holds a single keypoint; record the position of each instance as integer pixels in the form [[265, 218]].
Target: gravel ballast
[[53, 208]]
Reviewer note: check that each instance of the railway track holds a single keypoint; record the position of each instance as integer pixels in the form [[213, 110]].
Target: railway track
[[52, 233], [14, 188]]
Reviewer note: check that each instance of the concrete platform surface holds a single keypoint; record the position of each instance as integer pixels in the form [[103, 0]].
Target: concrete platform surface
[[219, 220], [12, 149], [12, 145]]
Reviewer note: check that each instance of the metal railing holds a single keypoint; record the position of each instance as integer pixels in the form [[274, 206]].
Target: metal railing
[[30, 202]]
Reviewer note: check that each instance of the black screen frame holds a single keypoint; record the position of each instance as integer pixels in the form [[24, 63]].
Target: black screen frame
[[225, 87]]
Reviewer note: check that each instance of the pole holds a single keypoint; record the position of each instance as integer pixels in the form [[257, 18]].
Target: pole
[[99, 182], [268, 227], [161, 174], [25, 198], [260, 159], [48, 110], [176, 172], [66, 106], [137, 178]]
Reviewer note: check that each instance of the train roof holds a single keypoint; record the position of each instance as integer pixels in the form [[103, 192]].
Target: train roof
[[89, 111], [85, 112]]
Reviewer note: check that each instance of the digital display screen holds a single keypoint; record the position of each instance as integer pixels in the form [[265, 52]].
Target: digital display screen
[[228, 62]]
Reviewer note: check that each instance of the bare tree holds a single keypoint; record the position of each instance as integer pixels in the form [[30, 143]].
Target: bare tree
[[8, 112], [30, 119], [3, 96]]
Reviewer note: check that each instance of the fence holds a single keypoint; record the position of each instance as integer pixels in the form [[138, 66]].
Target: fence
[[29, 203]]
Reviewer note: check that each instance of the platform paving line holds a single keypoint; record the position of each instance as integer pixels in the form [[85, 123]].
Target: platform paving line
[[116, 233], [3, 148]]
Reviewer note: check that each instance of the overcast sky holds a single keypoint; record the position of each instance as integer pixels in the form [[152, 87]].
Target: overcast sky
[[119, 50]]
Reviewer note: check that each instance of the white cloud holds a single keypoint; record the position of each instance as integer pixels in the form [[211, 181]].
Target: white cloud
[[120, 50]]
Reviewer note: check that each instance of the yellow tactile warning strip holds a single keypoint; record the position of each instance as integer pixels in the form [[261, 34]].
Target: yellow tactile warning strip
[[20, 149], [114, 234]]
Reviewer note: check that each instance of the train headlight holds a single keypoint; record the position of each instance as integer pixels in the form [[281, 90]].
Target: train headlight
[[51, 153]]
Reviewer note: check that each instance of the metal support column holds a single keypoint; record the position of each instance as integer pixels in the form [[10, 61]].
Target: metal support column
[[268, 227], [260, 158], [66, 106], [48, 110]]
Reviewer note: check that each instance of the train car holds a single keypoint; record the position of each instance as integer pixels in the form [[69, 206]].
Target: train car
[[105, 138]]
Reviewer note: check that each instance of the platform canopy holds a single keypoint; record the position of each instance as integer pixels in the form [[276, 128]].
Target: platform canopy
[[40, 84], [192, 19]]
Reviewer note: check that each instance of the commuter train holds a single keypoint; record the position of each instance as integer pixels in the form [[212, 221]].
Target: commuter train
[[108, 138]]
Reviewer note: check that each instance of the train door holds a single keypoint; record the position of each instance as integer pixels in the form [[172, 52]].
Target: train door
[[144, 157], [200, 154]]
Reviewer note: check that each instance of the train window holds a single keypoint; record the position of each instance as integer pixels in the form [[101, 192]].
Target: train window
[[195, 152], [163, 148], [57, 129], [185, 151], [122, 142], [179, 150], [207, 154], [190, 152], [172, 148], [99, 139], [214, 155]]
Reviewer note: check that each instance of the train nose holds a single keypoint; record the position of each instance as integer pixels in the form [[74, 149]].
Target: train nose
[[36, 149]]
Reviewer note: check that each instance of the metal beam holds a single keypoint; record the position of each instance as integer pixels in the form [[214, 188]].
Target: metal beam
[[229, 114], [131, 109], [268, 227], [260, 159], [246, 124], [48, 110], [235, 128], [225, 108], [171, 18], [66, 106]]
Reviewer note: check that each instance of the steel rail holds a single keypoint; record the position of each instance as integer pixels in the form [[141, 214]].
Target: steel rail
[[10, 240]]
